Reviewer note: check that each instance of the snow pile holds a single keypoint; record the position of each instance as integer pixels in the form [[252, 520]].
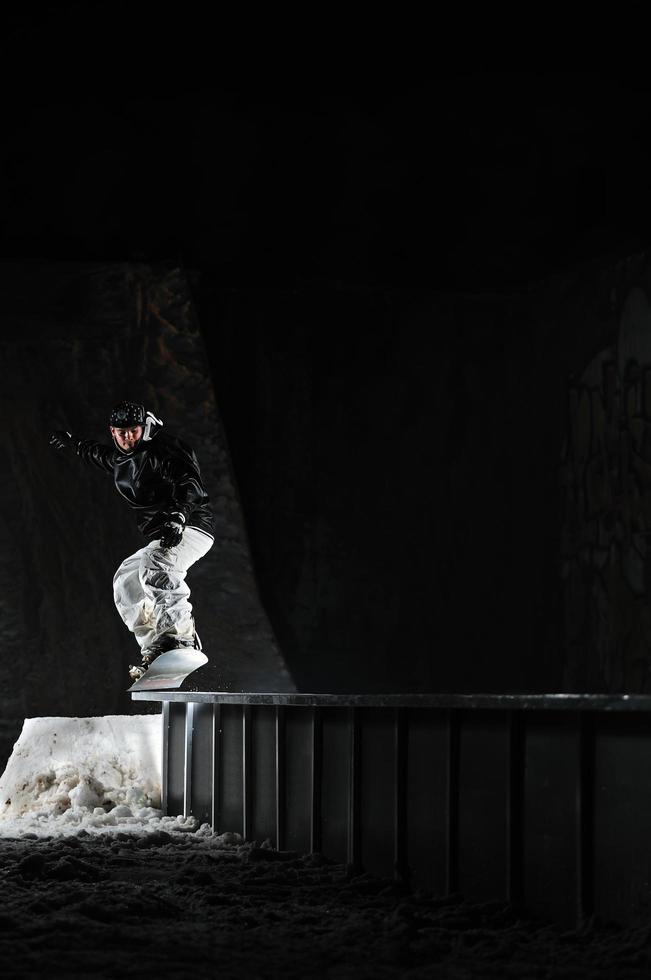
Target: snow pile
[[94, 774]]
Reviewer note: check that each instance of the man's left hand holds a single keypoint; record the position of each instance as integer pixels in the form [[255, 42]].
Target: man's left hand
[[172, 531]]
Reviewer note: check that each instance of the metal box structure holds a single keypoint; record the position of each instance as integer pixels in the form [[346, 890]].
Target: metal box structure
[[543, 800]]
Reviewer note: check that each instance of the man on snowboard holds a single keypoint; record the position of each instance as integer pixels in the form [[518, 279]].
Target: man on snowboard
[[158, 476]]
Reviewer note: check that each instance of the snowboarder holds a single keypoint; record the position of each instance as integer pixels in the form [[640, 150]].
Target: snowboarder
[[158, 476]]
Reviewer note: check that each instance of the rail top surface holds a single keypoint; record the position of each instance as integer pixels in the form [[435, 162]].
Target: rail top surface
[[548, 702]]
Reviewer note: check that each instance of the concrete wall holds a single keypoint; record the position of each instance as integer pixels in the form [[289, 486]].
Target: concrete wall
[[605, 475]]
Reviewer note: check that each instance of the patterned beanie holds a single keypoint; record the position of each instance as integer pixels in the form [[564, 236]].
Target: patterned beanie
[[125, 415]]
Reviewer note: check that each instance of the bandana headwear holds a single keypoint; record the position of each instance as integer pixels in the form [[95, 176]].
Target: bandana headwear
[[126, 415]]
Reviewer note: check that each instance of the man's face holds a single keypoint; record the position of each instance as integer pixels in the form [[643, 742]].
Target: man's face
[[127, 438]]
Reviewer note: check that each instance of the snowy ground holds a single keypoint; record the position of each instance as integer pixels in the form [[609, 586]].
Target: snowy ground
[[95, 883], [181, 905]]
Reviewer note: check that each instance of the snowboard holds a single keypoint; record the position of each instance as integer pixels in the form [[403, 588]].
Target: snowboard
[[170, 670]]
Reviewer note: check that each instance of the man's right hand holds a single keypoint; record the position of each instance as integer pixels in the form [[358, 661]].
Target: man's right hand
[[62, 440]]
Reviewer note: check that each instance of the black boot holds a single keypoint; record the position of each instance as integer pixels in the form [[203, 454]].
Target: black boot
[[189, 643], [148, 656]]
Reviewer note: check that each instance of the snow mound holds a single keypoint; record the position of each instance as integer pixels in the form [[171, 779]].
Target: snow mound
[[66, 775]]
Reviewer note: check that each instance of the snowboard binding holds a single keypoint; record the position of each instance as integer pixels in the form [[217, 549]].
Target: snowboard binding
[[136, 671]]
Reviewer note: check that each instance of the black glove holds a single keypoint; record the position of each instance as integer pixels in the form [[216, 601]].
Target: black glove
[[63, 440], [172, 530]]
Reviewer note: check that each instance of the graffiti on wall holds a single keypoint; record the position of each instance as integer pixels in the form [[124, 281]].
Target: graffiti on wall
[[606, 509]]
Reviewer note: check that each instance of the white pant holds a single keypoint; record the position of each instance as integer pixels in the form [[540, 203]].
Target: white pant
[[151, 593]]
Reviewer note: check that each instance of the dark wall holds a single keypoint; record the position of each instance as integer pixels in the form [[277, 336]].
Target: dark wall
[[397, 455]]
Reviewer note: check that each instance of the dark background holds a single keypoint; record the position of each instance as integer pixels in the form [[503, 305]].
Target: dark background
[[378, 248]]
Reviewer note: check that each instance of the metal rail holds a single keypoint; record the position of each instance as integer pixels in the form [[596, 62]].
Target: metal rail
[[498, 702]]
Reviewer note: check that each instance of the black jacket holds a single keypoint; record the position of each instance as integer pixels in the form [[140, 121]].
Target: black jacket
[[159, 477]]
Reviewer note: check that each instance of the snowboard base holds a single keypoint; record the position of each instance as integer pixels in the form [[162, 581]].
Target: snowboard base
[[170, 669]]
